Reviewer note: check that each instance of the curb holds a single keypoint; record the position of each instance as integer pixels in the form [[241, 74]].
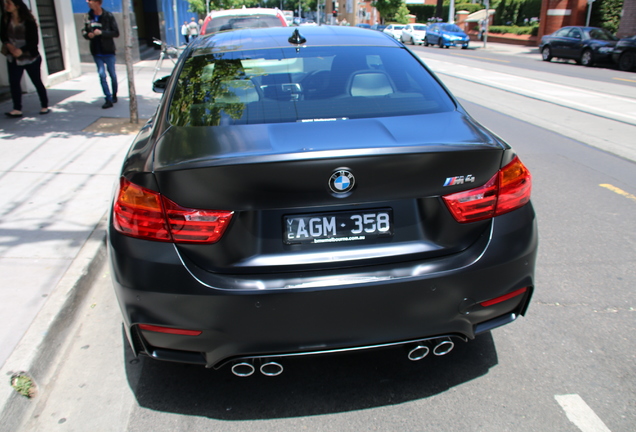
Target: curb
[[36, 352]]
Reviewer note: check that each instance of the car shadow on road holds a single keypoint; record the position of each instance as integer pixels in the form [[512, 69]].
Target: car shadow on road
[[308, 386]]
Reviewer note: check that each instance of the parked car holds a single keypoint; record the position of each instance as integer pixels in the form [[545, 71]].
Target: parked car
[[446, 35], [378, 27], [240, 236], [395, 30], [413, 34], [624, 54], [308, 22], [585, 45], [364, 25], [233, 19]]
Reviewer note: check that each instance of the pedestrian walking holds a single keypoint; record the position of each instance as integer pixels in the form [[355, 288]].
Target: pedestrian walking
[[185, 31], [100, 28], [19, 35], [194, 29]]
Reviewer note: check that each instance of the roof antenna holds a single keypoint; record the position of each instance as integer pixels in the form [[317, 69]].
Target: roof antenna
[[297, 38]]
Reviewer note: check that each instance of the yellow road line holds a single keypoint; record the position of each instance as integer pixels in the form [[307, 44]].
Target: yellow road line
[[481, 58], [625, 79], [618, 191]]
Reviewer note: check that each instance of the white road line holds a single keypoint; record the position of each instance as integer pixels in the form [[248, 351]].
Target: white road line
[[580, 413]]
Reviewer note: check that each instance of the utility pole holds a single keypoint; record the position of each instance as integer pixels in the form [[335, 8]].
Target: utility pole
[[589, 12], [128, 46], [487, 22]]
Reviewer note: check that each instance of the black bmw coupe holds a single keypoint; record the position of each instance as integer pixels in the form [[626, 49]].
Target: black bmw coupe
[[311, 191]]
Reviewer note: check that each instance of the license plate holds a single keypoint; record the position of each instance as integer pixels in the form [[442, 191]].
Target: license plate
[[338, 227]]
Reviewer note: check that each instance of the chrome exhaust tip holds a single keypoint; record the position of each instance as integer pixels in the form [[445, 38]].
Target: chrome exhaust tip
[[443, 346], [417, 351], [271, 368], [243, 369]]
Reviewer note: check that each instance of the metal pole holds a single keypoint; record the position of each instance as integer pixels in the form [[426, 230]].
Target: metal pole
[[134, 115], [487, 23], [175, 18], [589, 12]]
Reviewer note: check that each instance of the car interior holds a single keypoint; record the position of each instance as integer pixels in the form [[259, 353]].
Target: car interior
[[344, 85]]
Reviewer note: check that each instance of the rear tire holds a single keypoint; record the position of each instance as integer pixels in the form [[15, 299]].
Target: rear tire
[[587, 58], [627, 61], [425, 42], [546, 53]]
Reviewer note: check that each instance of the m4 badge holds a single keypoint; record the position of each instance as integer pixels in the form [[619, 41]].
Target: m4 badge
[[452, 181]]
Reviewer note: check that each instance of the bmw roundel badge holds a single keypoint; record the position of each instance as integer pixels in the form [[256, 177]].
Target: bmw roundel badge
[[341, 181]]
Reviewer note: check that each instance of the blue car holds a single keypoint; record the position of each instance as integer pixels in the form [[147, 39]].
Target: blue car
[[585, 45], [446, 35]]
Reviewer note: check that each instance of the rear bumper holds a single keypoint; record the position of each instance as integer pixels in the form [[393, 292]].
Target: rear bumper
[[313, 312]]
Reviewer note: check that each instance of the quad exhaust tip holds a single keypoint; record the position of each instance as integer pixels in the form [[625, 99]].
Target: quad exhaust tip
[[415, 351], [243, 369], [271, 368], [443, 346]]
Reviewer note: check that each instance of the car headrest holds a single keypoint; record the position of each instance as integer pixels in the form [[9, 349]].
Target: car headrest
[[370, 83]]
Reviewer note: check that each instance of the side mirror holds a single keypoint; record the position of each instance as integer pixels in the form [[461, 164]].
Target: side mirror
[[159, 86]]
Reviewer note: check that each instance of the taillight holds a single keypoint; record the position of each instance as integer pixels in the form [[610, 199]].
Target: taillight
[[138, 213], [143, 213], [506, 191]]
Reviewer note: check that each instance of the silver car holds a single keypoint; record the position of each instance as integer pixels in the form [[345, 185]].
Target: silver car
[[414, 34]]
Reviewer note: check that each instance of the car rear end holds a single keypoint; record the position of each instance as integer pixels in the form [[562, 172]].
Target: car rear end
[[297, 198], [602, 44], [234, 19]]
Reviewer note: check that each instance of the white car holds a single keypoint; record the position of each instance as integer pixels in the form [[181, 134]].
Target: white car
[[394, 30], [413, 34]]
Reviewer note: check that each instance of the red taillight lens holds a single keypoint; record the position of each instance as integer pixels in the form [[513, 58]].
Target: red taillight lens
[[507, 190], [142, 213], [515, 185], [195, 226], [138, 213]]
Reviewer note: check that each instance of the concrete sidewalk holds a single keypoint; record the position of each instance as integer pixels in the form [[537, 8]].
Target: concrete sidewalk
[[57, 174]]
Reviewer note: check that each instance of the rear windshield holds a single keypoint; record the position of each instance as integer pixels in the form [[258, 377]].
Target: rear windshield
[[602, 34], [234, 22], [451, 28], [313, 84]]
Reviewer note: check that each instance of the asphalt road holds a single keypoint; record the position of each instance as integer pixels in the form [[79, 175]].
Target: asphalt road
[[569, 365], [531, 60]]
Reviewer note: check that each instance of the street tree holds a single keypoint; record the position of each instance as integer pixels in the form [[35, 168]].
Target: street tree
[[387, 8]]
